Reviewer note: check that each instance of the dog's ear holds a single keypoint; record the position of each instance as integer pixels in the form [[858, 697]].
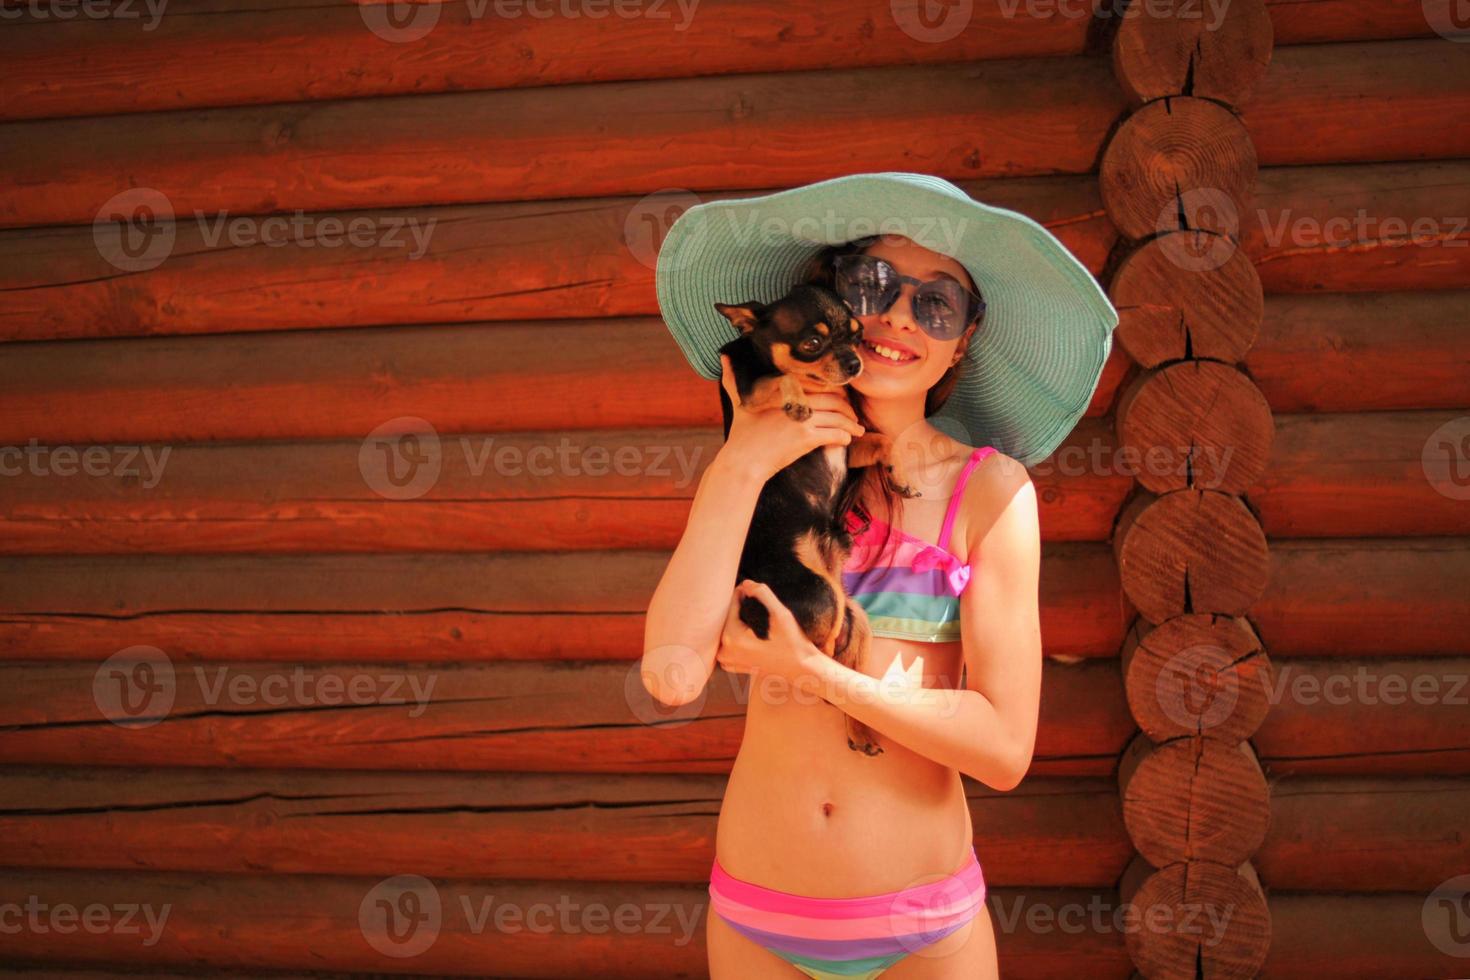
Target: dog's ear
[[744, 317]]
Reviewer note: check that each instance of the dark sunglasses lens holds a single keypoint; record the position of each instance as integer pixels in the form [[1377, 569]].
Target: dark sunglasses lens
[[940, 307], [866, 284]]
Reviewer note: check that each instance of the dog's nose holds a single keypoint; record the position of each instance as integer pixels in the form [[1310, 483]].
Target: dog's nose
[[850, 362]]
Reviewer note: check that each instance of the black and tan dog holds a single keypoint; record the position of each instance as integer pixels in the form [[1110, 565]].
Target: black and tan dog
[[798, 542]]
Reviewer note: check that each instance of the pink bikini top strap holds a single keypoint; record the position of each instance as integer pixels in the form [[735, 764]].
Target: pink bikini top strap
[[959, 492]]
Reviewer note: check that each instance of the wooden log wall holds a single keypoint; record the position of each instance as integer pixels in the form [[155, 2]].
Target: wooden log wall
[[302, 677], [1176, 176]]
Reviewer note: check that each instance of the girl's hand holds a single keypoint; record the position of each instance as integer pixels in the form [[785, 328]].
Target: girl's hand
[[784, 653], [767, 441]]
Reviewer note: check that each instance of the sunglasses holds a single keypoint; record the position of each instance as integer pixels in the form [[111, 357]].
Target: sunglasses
[[942, 307]]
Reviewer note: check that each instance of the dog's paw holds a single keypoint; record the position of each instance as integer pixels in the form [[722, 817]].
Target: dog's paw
[[797, 411], [902, 489]]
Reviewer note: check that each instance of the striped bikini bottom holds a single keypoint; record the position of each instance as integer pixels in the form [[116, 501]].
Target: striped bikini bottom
[[849, 938]]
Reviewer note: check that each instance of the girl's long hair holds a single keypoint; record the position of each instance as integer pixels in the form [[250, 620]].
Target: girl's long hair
[[819, 270]]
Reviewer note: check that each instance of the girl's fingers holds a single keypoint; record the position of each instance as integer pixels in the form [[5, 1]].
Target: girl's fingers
[[827, 401], [836, 420]]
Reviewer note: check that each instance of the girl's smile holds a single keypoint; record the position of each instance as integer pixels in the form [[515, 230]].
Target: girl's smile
[[886, 353]]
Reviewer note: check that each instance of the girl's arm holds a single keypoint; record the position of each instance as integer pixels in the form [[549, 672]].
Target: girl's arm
[[988, 729], [681, 634], [687, 612]]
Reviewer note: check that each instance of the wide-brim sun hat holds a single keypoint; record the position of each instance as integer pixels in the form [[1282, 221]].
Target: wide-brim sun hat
[[1037, 355]]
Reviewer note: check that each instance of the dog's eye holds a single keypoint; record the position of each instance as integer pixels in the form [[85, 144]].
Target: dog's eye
[[810, 345]]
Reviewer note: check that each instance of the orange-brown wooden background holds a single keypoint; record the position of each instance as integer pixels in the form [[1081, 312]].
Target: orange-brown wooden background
[[543, 158]]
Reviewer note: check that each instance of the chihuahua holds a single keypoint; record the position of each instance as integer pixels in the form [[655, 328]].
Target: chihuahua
[[797, 543]]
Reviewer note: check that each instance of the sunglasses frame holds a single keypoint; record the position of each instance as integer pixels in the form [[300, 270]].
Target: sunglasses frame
[[975, 310]]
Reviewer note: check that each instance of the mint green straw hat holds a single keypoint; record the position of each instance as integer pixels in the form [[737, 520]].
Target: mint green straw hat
[[1037, 354]]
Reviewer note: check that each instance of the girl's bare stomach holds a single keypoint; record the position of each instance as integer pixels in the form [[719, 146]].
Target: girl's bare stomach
[[804, 813]]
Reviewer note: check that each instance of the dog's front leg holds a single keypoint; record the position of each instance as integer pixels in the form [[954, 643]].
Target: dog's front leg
[[875, 447]]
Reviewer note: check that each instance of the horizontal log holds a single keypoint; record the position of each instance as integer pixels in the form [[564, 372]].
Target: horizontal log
[[1364, 228], [1054, 832], [615, 138], [1353, 936], [496, 262], [570, 490], [1325, 834], [579, 259], [1413, 88], [1341, 598], [586, 605], [298, 50], [1294, 22], [609, 138], [81, 973], [1363, 834], [236, 921], [1364, 717], [532, 929], [457, 927], [1315, 353], [517, 717], [595, 717], [1327, 597], [1361, 475], [1331, 353]]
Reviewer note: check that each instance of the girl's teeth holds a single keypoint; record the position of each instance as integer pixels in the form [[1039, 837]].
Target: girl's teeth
[[888, 353]]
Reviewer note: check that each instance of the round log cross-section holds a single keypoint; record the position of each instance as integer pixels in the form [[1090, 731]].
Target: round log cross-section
[[1190, 551], [1178, 164], [1197, 675], [1171, 306], [1199, 424], [1193, 799], [1195, 918], [1184, 50]]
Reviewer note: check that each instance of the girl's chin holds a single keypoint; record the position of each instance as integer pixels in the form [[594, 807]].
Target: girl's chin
[[872, 386]]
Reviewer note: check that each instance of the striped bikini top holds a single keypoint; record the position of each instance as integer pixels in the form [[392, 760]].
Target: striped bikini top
[[912, 589]]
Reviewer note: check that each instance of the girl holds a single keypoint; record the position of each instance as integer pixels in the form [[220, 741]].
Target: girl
[[830, 862]]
